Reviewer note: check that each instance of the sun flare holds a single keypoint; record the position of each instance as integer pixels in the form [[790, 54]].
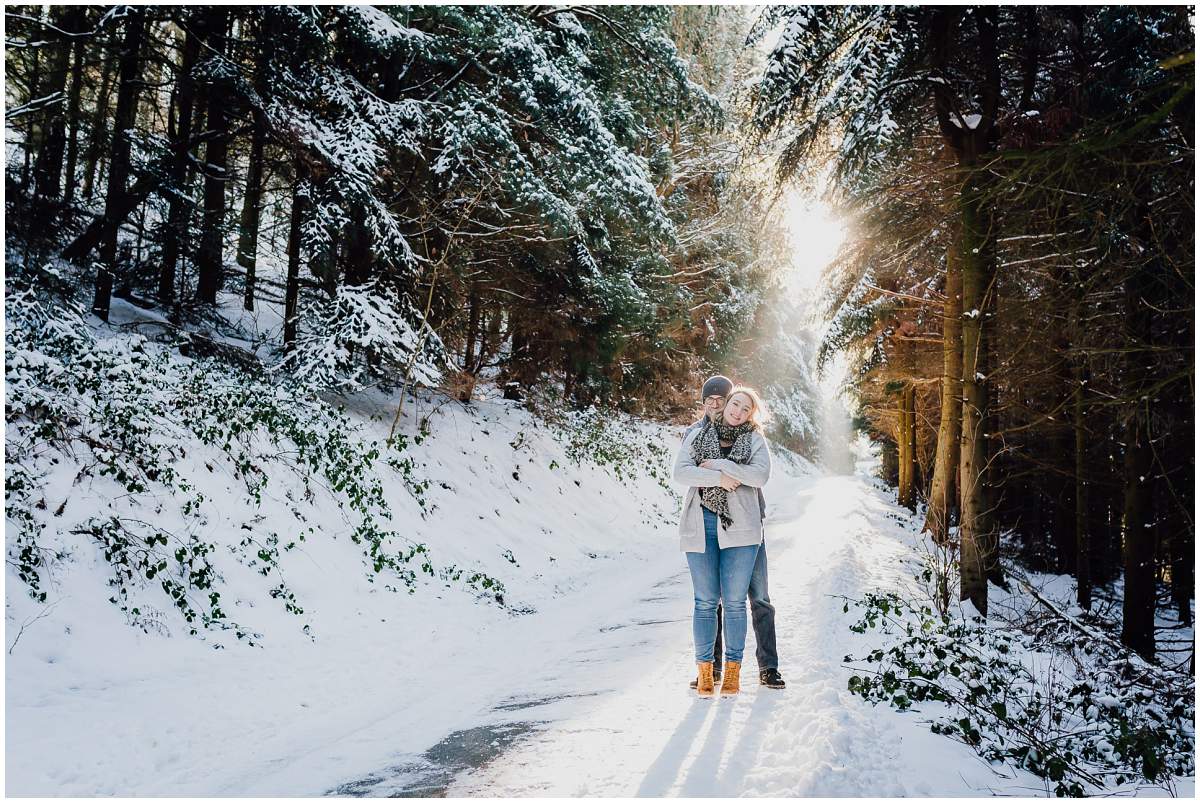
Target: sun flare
[[816, 235]]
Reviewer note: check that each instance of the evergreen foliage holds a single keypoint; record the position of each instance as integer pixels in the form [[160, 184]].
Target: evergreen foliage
[[1024, 174], [547, 198]]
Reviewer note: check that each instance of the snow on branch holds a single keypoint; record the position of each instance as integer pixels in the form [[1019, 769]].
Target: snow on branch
[[363, 331]]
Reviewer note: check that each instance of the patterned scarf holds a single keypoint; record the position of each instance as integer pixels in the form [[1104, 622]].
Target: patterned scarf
[[707, 446]]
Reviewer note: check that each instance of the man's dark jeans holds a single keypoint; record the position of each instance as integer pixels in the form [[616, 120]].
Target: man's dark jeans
[[762, 612]]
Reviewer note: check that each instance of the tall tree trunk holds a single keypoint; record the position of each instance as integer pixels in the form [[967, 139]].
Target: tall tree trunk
[[974, 526], [516, 370], [1107, 515], [73, 102], [177, 213], [1079, 377], [199, 115], [48, 169], [991, 422], [358, 253], [1032, 522], [903, 464], [469, 359], [210, 264], [1183, 568], [915, 476], [943, 497], [118, 173], [472, 328], [35, 86], [323, 262], [907, 492], [977, 557], [1061, 455], [247, 255], [1180, 483], [98, 132], [1137, 629], [889, 462], [292, 288], [1083, 546]]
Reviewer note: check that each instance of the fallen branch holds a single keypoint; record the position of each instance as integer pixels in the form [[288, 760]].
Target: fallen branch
[[45, 612], [1080, 626], [1161, 674]]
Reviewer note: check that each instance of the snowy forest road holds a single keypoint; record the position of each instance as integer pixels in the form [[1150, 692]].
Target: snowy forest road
[[613, 715]]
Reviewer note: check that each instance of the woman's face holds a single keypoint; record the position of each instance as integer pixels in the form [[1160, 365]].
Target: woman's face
[[738, 409]]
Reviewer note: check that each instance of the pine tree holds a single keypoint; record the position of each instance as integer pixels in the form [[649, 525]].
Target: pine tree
[[1023, 99], [65, 21], [116, 198], [210, 260], [174, 233]]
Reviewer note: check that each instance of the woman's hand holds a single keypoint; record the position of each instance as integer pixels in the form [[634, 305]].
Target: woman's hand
[[707, 464], [728, 482]]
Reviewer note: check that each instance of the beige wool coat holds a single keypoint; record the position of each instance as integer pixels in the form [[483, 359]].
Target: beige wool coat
[[744, 508]]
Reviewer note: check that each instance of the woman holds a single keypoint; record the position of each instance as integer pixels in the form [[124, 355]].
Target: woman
[[723, 461]]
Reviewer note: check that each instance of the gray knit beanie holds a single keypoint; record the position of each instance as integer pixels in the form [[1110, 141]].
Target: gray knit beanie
[[716, 386]]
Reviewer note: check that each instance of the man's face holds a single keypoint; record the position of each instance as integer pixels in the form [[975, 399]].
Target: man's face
[[713, 405]]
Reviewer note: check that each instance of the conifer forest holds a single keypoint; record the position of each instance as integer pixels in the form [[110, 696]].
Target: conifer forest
[[419, 295]]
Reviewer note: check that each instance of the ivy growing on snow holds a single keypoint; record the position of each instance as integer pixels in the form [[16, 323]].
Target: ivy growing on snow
[[1112, 721], [126, 409]]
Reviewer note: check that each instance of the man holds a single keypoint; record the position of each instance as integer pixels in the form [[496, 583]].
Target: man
[[762, 612]]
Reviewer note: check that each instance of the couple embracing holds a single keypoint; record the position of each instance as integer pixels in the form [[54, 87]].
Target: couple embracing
[[724, 460]]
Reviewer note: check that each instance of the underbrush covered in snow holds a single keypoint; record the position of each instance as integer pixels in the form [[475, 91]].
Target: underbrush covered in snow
[[364, 333], [113, 444], [1043, 693], [185, 476], [1112, 722]]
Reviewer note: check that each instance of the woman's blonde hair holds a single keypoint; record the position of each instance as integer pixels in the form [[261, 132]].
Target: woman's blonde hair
[[758, 410]]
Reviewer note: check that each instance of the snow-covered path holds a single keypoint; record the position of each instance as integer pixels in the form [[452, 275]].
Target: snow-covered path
[[611, 714], [654, 737]]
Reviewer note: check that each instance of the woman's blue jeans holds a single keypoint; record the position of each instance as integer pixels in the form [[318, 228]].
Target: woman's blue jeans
[[720, 575]]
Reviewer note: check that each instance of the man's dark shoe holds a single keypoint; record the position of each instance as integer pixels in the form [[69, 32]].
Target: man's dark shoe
[[771, 678], [716, 678]]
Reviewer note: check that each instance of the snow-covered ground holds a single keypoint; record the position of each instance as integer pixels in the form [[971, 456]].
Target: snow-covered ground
[[577, 687], [645, 733], [636, 729], [97, 707]]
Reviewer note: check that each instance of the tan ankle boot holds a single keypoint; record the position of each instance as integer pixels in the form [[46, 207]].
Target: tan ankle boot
[[704, 683], [731, 685]]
